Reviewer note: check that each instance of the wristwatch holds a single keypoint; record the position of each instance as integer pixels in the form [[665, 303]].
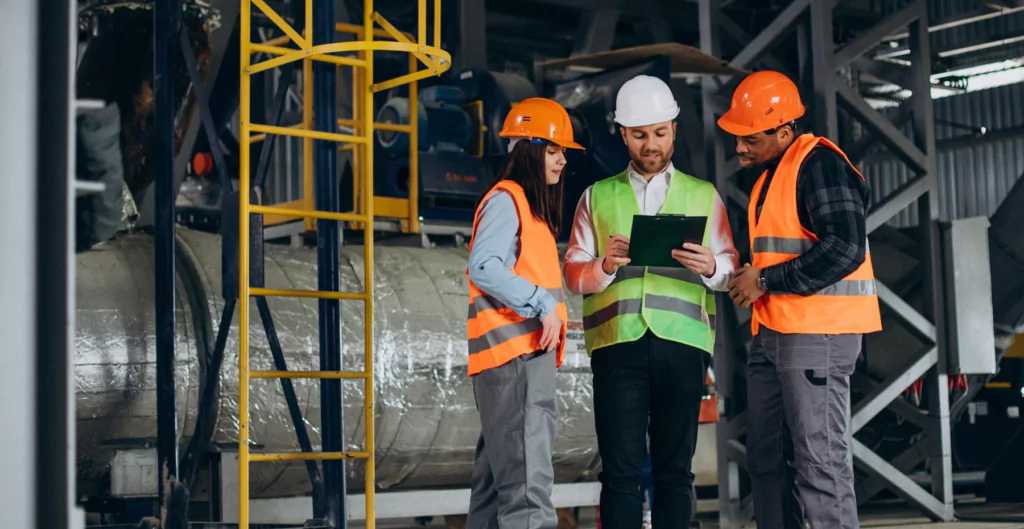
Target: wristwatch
[[761, 282]]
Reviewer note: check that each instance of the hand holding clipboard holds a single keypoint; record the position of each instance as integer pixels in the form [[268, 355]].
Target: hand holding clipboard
[[668, 241]]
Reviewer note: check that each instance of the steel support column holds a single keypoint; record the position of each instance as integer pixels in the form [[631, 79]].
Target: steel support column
[[166, 23], [826, 91], [727, 346], [326, 186], [939, 429], [47, 224], [826, 119]]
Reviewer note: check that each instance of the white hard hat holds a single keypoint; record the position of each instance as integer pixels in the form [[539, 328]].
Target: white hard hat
[[644, 100]]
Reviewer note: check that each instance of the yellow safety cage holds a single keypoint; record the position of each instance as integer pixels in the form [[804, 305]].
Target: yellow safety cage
[[436, 61]]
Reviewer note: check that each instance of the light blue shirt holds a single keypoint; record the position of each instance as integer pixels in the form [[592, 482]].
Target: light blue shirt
[[495, 251]]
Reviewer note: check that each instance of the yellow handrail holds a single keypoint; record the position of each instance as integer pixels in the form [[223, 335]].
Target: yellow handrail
[[361, 142], [437, 62]]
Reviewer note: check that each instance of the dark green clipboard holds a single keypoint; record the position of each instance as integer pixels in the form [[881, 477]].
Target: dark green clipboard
[[653, 237]]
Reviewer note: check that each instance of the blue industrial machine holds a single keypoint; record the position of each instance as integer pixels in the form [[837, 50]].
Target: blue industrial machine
[[459, 147], [460, 150]]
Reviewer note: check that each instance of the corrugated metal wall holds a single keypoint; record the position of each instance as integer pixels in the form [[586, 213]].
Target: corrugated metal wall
[[969, 34], [940, 11], [974, 177]]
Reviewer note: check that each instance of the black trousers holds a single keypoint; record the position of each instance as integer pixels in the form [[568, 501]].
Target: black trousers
[[647, 387]]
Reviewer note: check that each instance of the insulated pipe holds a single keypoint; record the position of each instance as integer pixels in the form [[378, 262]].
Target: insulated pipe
[[426, 420]]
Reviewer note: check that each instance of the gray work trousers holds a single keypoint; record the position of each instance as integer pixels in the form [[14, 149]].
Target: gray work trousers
[[512, 474], [798, 391]]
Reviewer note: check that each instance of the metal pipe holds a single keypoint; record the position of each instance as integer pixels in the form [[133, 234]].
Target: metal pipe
[[166, 21], [957, 22], [244, 184], [414, 136], [983, 46], [308, 124], [328, 258], [366, 92]]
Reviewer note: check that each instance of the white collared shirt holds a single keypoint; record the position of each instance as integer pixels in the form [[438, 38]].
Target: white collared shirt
[[583, 269]]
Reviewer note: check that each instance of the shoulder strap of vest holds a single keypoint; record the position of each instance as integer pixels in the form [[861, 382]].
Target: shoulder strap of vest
[[692, 196], [694, 184], [513, 188], [689, 194], [621, 178], [600, 187], [801, 147], [828, 143], [518, 199]]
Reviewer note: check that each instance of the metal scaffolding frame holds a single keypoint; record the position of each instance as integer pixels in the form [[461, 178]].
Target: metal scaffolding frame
[[243, 219], [818, 63], [320, 54]]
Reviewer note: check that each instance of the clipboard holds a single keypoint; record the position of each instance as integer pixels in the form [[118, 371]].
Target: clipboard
[[653, 237]]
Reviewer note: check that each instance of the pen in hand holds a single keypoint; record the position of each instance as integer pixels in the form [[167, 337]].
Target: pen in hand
[[616, 253]]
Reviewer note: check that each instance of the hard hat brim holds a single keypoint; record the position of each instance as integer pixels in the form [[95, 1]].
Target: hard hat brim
[[737, 129], [728, 124], [646, 121], [568, 144]]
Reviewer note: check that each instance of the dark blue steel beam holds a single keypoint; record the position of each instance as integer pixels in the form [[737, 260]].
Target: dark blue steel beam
[[50, 357], [207, 401], [325, 165], [166, 22]]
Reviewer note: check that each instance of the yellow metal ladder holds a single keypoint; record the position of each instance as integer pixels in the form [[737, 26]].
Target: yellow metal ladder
[[436, 61]]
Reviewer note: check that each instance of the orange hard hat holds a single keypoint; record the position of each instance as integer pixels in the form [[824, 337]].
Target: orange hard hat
[[539, 118], [763, 101]]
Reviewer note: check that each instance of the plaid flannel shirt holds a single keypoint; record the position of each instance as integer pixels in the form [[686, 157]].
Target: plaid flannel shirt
[[832, 204]]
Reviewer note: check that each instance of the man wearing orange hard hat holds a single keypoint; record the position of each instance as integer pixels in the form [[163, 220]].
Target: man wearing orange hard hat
[[812, 290]]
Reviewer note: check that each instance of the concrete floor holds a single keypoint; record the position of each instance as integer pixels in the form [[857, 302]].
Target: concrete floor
[[884, 517]]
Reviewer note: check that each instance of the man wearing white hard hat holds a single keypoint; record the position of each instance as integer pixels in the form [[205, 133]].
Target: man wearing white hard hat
[[649, 331]]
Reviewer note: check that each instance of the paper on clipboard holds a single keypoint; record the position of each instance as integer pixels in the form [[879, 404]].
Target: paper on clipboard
[[653, 237]]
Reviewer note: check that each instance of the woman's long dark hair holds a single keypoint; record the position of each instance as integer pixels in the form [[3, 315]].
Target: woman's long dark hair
[[526, 166]]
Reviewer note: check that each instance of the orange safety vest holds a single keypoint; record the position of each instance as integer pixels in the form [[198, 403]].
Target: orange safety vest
[[496, 333], [847, 307]]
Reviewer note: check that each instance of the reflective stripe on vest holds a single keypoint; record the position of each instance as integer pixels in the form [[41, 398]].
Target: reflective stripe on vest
[[796, 247], [849, 306], [495, 333], [673, 303], [488, 302]]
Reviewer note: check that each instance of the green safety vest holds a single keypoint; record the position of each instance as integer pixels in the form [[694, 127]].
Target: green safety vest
[[673, 303]]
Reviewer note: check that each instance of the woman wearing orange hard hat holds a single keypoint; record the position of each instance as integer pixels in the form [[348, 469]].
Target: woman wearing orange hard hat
[[517, 321], [812, 290]]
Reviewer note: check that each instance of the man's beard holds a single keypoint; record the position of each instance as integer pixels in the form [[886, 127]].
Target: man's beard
[[649, 167]]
